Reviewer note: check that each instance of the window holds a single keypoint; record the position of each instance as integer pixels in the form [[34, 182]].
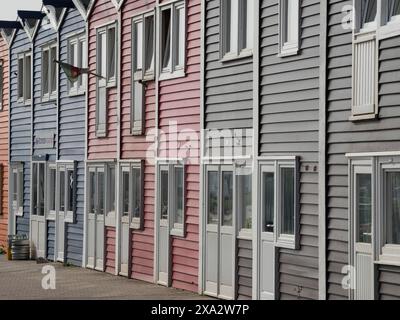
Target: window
[[66, 190], [143, 67], [363, 207], [111, 191], [227, 198], [17, 187], [106, 69], [237, 28], [289, 27], [96, 192], [132, 193], [172, 197], [24, 77], [393, 11], [173, 38], [38, 188], [244, 199], [49, 72], [392, 212], [212, 197], [51, 191], [1, 85], [279, 201], [77, 57]]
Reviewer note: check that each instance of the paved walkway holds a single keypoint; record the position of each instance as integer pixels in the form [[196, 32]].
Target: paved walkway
[[23, 280]]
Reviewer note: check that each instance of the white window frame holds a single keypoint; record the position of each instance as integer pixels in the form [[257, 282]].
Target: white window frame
[[274, 165], [242, 43], [19, 170], [289, 25], [24, 88], [96, 169], [244, 233], [135, 223], [109, 213], [37, 163], [79, 44], [63, 168], [51, 214], [174, 70], [176, 229], [51, 87]]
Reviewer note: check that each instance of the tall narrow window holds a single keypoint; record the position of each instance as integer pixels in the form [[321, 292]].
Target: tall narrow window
[[24, 77], [227, 198], [268, 200], [364, 207], [237, 27], [49, 72], [393, 208], [212, 197], [77, 58], [289, 22], [92, 192], [136, 193], [70, 188], [173, 39], [178, 208], [20, 78], [28, 78], [368, 18], [17, 187], [164, 194], [287, 202], [111, 189], [393, 10], [111, 53], [100, 192], [38, 188], [149, 43], [125, 193], [244, 200], [51, 191], [62, 189]]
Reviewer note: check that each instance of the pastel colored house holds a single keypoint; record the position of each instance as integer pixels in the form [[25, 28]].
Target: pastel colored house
[[6, 35]]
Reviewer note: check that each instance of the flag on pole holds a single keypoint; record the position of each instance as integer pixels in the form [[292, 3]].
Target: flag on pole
[[73, 72]]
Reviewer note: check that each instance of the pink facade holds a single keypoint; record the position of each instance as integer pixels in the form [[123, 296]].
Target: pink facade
[[179, 101]]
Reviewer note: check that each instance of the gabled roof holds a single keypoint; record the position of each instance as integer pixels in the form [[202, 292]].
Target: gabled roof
[[8, 30], [84, 7], [30, 21], [56, 9], [117, 3]]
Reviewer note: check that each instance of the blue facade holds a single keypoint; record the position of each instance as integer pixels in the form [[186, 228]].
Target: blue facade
[[20, 127], [71, 143]]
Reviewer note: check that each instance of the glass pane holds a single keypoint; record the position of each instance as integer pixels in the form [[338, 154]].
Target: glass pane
[[45, 72], [34, 187], [179, 182], [138, 45], [100, 192], [287, 204], [52, 188], [70, 186], [244, 201], [213, 195], [111, 185], [125, 193], [92, 191], [62, 190], [164, 194], [53, 69], [368, 11], [20, 78], [243, 23], [41, 189], [249, 23], [180, 29], [227, 198], [166, 38], [15, 190], [136, 193], [21, 188], [111, 53], [393, 8], [363, 207], [27, 79], [268, 201], [149, 25], [227, 25], [102, 55], [393, 208]]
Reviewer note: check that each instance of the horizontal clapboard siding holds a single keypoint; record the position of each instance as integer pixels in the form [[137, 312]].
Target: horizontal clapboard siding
[[389, 282], [20, 127], [244, 269], [288, 120], [4, 54], [71, 142]]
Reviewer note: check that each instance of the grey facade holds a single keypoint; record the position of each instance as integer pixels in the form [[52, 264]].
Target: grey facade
[[288, 125]]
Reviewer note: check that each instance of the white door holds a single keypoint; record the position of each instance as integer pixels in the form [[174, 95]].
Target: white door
[[125, 209], [220, 235], [163, 226], [60, 215], [266, 255], [363, 259], [95, 221], [38, 226]]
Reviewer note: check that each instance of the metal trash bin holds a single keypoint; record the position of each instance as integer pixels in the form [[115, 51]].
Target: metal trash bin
[[19, 247]]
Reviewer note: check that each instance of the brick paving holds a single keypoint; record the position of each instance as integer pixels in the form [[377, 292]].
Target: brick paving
[[22, 280]]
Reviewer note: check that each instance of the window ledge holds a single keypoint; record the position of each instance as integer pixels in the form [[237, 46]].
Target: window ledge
[[173, 75], [135, 224], [76, 94], [233, 57], [177, 232], [24, 103], [245, 234], [286, 241], [101, 134], [384, 260], [392, 29], [51, 217], [288, 52], [361, 117], [51, 100]]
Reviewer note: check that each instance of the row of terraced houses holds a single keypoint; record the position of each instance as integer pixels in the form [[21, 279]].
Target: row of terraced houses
[[242, 149]]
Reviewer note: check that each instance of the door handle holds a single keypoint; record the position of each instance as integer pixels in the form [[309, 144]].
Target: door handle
[[367, 234], [270, 225]]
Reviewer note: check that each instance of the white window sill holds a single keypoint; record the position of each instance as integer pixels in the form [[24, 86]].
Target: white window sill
[[135, 224], [177, 230], [101, 134], [109, 220], [48, 100], [392, 29], [229, 57], [51, 216], [73, 93], [24, 103], [174, 75], [111, 84], [149, 76], [370, 116], [19, 214], [288, 51], [245, 234], [286, 241], [69, 217]]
